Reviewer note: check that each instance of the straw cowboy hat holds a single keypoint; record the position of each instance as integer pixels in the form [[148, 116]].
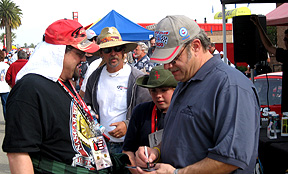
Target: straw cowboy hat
[[110, 37]]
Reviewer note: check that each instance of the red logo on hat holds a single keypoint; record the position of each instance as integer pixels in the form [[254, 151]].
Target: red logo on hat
[[157, 75]]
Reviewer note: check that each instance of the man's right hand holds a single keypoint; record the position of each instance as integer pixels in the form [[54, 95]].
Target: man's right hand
[[141, 159]]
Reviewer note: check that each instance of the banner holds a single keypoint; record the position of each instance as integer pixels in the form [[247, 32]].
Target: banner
[[235, 12]]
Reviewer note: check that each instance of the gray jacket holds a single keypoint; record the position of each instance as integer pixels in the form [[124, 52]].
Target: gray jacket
[[135, 93]]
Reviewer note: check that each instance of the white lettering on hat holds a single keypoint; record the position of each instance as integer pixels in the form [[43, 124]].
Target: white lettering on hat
[[161, 38]]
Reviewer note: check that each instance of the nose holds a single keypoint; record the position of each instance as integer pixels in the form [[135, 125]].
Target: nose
[[159, 94], [113, 52]]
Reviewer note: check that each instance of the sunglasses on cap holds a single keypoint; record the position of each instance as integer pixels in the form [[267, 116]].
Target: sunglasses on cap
[[116, 49]]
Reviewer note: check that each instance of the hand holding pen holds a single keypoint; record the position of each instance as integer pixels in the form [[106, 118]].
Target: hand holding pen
[[146, 154], [143, 158]]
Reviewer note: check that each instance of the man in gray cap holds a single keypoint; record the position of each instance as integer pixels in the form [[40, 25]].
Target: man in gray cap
[[212, 124]]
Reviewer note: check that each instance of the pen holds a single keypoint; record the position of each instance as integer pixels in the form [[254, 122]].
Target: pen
[[146, 153]]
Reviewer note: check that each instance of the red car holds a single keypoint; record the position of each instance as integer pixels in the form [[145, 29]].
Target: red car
[[270, 92]]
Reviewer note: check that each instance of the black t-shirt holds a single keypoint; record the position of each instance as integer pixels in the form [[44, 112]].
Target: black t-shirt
[[42, 119], [140, 126], [282, 56]]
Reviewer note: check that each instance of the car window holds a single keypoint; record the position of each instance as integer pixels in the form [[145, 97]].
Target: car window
[[269, 93]]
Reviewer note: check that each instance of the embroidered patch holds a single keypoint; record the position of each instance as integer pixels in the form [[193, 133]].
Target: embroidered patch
[[157, 75], [183, 32], [161, 38]]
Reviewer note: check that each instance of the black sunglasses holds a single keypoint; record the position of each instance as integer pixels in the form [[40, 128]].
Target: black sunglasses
[[116, 49]]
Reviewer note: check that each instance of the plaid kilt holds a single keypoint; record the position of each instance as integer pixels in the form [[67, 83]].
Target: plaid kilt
[[44, 165]]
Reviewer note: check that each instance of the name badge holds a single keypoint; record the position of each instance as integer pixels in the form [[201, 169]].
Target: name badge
[[100, 152], [155, 138]]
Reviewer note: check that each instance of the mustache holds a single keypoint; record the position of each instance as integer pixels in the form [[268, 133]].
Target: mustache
[[114, 57]]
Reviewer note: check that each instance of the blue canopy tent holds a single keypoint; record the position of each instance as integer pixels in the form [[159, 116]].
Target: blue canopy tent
[[129, 30]]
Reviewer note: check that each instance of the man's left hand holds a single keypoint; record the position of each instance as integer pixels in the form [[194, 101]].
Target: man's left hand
[[120, 129], [160, 168]]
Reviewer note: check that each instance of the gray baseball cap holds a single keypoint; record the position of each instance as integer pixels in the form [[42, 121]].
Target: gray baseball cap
[[171, 33]]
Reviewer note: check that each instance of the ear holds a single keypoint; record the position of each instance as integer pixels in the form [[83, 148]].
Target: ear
[[196, 45]]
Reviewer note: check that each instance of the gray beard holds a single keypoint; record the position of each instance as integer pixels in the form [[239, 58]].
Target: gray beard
[[113, 65]]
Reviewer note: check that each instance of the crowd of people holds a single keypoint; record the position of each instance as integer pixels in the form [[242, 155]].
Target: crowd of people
[[170, 106], [10, 65]]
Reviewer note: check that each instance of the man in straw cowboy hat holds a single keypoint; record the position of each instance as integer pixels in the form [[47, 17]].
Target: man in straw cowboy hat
[[147, 120], [111, 89], [212, 124]]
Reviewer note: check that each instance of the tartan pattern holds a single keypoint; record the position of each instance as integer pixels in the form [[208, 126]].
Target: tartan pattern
[[43, 165]]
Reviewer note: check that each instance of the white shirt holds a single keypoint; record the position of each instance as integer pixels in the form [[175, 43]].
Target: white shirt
[[112, 98], [4, 87], [91, 68], [231, 64]]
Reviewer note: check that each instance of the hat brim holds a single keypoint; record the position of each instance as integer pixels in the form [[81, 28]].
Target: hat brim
[[166, 55], [142, 81], [87, 46], [129, 46]]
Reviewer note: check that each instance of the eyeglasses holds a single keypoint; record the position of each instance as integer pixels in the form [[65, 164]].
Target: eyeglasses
[[116, 49], [81, 54], [177, 57]]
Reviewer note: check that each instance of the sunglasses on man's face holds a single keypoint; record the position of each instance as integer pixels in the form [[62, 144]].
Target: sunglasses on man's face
[[116, 49]]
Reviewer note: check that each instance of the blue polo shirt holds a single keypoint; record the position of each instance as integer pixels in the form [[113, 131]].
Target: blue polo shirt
[[216, 115]]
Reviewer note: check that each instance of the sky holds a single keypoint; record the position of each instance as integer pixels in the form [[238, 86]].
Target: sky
[[37, 15]]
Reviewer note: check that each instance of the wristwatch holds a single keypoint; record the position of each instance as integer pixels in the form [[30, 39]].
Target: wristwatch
[[176, 171]]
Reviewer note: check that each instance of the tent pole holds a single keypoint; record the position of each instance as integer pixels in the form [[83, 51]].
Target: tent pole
[[224, 33]]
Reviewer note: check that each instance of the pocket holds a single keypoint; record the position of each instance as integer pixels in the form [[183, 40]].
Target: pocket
[[120, 101]]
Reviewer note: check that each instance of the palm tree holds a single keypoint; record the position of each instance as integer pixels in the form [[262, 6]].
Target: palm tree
[[13, 37], [10, 16]]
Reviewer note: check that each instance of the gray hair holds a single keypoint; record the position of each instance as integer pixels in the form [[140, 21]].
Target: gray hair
[[22, 55], [203, 39], [143, 46]]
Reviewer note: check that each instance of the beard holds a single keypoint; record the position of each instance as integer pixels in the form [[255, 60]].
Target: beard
[[76, 74], [113, 65]]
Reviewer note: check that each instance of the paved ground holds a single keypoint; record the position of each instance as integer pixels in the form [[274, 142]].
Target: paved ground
[[4, 166]]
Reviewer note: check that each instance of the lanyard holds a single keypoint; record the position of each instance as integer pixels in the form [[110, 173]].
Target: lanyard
[[78, 100], [154, 120]]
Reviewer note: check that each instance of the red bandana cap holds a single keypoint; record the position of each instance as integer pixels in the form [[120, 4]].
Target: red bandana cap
[[69, 32]]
